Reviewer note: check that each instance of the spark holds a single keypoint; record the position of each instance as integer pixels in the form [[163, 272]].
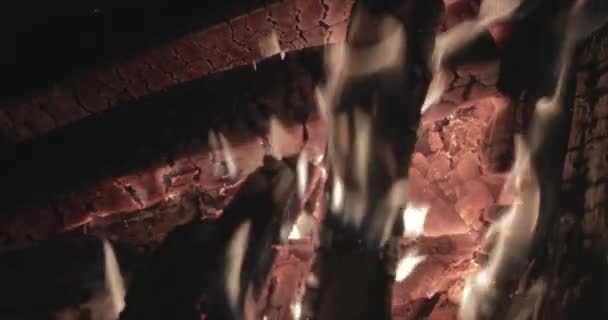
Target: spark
[[407, 265], [413, 220], [114, 279]]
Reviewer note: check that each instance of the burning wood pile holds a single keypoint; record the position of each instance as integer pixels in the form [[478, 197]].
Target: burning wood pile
[[413, 170]]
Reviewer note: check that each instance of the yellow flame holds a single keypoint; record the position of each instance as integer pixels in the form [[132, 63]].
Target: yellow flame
[[114, 279], [413, 219], [407, 265]]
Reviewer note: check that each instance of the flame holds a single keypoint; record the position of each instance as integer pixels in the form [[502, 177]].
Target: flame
[[302, 173], [234, 262], [413, 220], [114, 279], [295, 233], [228, 158], [513, 234], [220, 144], [303, 227], [491, 12], [407, 264], [278, 136], [296, 310]]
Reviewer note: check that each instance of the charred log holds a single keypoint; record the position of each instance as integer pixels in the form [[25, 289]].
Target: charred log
[[172, 44], [189, 273], [107, 164], [576, 250], [380, 102]]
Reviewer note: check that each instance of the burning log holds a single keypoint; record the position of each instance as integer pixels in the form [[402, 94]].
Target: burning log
[[193, 272], [369, 156], [194, 40], [109, 165], [368, 98]]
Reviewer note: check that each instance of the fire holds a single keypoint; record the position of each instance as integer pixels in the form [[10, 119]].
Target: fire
[[413, 220], [296, 310], [295, 233], [303, 227], [407, 264], [114, 280], [491, 13], [234, 262], [220, 145], [514, 233]]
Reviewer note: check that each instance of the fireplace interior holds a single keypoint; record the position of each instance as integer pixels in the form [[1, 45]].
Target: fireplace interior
[[304, 159]]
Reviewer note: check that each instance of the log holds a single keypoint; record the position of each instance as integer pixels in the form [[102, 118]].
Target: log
[[390, 98], [575, 251], [121, 53], [159, 53], [194, 262], [146, 153]]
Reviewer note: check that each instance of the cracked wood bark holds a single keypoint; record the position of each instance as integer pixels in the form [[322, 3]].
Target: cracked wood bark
[[237, 41], [192, 261], [109, 165], [123, 64], [143, 154]]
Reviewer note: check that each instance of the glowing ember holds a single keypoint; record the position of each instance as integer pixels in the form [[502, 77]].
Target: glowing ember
[[407, 265], [413, 220]]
